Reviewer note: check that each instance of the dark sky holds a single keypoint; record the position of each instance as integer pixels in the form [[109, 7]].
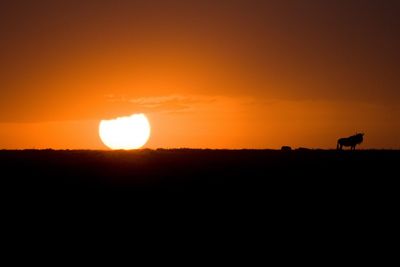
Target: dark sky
[[64, 60]]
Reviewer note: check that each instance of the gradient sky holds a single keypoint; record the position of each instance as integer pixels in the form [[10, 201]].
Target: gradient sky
[[215, 74]]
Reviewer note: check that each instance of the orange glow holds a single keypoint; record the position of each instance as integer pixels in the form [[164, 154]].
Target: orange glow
[[207, 74]]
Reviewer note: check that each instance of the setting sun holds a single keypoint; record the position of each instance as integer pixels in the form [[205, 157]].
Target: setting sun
[[130, 132]]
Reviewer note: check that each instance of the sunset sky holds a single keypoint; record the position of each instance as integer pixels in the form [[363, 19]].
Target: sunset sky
[[208, 74]]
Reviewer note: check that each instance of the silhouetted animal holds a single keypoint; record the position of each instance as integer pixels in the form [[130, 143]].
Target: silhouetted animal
[[286, 148], [351, 141]]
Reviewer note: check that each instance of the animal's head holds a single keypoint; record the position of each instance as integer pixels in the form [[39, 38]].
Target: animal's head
[[360, 137]]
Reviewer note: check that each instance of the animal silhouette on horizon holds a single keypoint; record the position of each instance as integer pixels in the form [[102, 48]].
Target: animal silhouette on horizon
[[350, 141]]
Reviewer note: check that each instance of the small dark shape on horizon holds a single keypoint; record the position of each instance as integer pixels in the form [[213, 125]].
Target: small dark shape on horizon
[[350, 141], [286, 148]]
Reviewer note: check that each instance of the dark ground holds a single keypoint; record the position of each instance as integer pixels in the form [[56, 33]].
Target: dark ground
[[340, 202], [279, 175]]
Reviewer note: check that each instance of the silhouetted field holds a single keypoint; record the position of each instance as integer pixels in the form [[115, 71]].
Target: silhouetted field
[[329, 195], [233, 173], [287, 194]]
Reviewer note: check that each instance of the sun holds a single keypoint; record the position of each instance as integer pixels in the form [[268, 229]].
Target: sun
[[130, 132]]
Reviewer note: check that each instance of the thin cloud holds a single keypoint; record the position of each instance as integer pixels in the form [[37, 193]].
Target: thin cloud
[[165, 104]]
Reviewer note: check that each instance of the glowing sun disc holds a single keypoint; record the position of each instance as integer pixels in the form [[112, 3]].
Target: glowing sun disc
[[130, 132]]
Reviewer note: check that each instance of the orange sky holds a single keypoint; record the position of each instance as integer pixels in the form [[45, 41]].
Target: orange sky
[[215, 74]]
